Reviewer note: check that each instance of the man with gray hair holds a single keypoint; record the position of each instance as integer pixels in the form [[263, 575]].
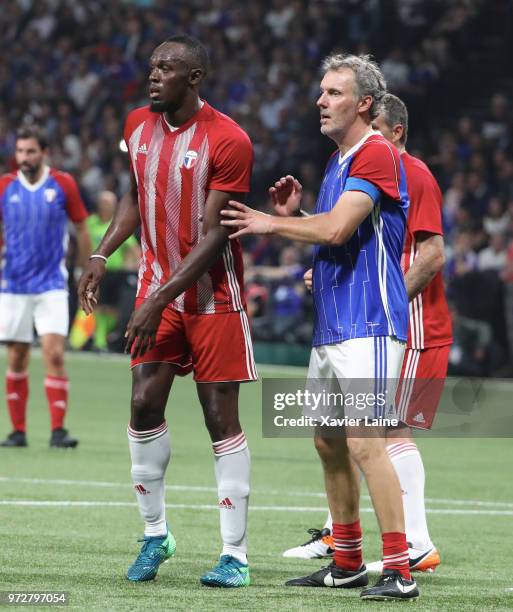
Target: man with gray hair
[[361, 311], [427, 350]]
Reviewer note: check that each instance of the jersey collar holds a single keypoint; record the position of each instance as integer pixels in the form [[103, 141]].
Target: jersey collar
[[200, 114], [38, 184], [354, 148]]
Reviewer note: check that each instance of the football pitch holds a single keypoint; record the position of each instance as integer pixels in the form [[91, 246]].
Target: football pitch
[[69, 521]]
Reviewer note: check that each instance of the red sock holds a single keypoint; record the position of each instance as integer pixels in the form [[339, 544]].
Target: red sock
[[348, 545], [16, 390], [56, 389], [395, 553]]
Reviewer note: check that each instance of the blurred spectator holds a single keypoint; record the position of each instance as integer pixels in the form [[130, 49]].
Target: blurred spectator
[[496, 220], [396, 71], [477, 194], [452, 201], [280, 16], [493, 257], [463, 258], [91, 179], [83, 85], [496, 124]]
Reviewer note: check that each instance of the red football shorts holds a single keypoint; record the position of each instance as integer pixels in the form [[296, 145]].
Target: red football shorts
[[422, 382], [216, 347]]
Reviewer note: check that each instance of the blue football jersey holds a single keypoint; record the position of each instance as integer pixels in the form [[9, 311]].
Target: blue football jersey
[[358, 287], [35, 235]]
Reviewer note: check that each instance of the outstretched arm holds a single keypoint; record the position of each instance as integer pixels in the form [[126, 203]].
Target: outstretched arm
[[333, 228], [143, 325], [126, 220]]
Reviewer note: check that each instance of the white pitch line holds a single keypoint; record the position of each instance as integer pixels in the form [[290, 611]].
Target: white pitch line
[[121, 504], [97, 483], [193, 488], [468, 502]]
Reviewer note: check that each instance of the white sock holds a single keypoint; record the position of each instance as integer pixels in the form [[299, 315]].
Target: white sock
[[232, 467], [150, 452], [408, 465]]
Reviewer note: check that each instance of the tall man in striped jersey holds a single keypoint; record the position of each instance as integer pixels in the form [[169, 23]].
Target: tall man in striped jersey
[[187, 160], [427, 353], [36, 204], [361, 310]]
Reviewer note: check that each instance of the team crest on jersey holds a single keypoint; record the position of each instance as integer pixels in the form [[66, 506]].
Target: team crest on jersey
[[189, 159], [50, 194], [15, 199]]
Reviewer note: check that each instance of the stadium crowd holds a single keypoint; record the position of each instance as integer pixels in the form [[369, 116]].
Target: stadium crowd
[[80, 82]]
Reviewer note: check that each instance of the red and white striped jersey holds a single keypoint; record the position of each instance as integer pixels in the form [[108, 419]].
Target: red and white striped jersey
[[175, 169], [429, 317]]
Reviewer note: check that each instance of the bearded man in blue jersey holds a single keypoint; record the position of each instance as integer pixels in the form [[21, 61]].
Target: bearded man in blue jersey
[[361, 309], [36, 204]]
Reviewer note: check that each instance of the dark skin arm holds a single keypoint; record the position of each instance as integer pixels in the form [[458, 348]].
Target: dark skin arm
[[125, 221], [143, 325]]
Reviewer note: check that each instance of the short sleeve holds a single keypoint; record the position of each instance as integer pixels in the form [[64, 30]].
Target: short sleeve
[[425, 203], [133, 121], [232, 161], [375, 169], [75, 206]]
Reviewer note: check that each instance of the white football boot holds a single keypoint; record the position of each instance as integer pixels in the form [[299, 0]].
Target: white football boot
[[319, 546]]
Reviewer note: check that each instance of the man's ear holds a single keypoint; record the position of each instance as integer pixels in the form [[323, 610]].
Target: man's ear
[[398, 131], [365, 103], [195, 76]]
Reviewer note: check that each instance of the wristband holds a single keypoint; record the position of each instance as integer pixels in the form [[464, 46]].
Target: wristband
[[98, 256]]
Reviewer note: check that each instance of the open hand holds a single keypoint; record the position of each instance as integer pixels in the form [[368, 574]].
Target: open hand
[[247, 220], [286, 196]]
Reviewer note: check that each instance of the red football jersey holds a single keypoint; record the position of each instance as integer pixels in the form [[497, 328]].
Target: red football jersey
[[174, 170], [430, 320], [377, 161]]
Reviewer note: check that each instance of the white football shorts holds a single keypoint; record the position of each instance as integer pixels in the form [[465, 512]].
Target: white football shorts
[[19, 313], [369, 367]]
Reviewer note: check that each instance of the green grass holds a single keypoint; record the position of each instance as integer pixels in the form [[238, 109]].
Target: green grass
[[86, 550]]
